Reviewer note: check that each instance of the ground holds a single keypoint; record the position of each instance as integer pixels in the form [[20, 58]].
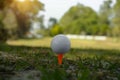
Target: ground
[[87, 60]]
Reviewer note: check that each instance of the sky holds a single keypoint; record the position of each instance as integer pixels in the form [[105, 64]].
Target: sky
[[57, 8]]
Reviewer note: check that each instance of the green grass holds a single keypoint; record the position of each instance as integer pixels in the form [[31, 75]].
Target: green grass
[[87, 60], [75, 43]]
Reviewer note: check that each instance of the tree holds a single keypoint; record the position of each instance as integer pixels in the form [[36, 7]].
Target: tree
[[24, 15], [56, 29], [4, 3], [116, 19], [105, 17], [79, 19], [10, 23], [52, 22], [3, 31]]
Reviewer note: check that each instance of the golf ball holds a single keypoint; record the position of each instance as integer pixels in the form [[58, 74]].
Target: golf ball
[[60, 44]]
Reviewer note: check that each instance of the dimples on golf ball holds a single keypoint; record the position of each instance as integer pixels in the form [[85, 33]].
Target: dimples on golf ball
[[60, 44]]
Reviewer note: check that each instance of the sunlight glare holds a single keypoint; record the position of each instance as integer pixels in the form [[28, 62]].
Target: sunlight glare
[[21, 0]]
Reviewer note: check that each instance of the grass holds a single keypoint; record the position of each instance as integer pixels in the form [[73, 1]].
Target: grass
[[75, 43], [87, 60]]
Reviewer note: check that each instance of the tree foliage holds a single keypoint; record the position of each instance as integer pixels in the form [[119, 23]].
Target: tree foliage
[[79, 19], [24, 15], [116, 19], [105, 17], [3, 31], [52, 22], [4, 3], [56, 29], [18, 16]]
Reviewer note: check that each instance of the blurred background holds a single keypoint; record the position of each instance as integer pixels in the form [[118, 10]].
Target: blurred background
[[28, 26], [21, 20], [42, 18]]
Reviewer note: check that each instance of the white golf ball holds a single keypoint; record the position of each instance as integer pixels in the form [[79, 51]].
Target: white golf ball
[[60, 44]]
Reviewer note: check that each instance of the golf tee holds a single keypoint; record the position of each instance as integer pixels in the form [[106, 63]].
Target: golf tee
[[60, 56]]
